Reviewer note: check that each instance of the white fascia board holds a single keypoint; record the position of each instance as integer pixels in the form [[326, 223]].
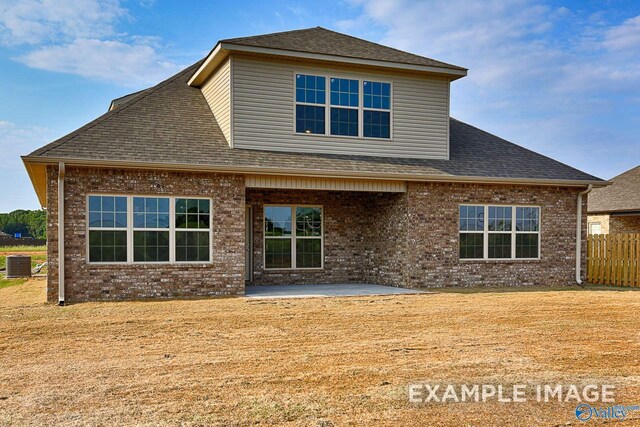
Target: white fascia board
[[222, 49]]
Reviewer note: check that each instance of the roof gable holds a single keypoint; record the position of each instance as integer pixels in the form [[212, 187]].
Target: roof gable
[[328, 42], [622, 195]]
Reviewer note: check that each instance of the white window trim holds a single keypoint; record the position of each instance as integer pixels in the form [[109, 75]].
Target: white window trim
[[130, 229], [513, 233], [293, 238], [327, 104]]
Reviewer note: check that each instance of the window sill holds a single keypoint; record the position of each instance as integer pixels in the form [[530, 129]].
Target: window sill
[[293, 270], [364, 138]]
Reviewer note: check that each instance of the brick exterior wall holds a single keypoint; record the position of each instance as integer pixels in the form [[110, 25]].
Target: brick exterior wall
[[411, 239], [624, 224], [85, 282], [353, 237], [432, 258], [400, 239]]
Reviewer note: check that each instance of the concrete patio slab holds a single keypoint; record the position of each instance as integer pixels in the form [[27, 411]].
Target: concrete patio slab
[[315, 291]]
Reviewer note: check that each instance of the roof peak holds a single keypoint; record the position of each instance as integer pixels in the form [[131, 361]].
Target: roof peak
[[356, 48]]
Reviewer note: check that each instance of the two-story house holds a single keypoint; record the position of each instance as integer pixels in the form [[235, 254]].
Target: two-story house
[[303, 157]]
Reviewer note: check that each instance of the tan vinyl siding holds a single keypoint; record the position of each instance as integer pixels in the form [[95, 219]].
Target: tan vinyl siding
[[217, 92], [333, 184], [264, 107]]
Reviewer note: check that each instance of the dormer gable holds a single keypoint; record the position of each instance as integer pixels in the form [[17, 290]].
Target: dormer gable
[[319, 91]]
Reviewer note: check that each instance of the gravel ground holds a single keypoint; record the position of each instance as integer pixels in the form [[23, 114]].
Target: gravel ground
[[318, 362]]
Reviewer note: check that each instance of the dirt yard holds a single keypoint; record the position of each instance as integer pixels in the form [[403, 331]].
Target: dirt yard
[[317, 362]]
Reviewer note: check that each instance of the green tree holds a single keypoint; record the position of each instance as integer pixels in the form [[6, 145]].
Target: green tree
[[31, 223]]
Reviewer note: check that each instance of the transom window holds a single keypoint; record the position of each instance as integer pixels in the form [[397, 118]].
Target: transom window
[[293, 237], [354, 107], [488, 232], [137, 229]]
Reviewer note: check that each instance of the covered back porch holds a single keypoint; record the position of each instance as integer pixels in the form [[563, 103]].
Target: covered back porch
[[318, 231]]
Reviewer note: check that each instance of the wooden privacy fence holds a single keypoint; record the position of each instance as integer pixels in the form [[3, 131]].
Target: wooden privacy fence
[[613, 259]]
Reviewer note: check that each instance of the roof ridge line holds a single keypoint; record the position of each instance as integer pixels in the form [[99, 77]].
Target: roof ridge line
[[114, 112], [394, 48]]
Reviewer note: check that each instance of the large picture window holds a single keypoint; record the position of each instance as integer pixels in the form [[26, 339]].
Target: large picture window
[[293, 237], [137, 229], [499, 232], [354, 107]]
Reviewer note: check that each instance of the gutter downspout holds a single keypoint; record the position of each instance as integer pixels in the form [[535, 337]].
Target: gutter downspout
[[61, 233], [579, 233]]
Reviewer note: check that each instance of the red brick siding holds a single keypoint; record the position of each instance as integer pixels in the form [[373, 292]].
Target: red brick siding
[[624, 224], [84, 282], [433, 260], [349, 234], [411, 239]]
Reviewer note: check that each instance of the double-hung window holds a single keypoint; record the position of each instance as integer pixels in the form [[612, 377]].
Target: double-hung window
[[293, 237], [345, 100], [107, 228], [310, 104], [499, 232], [192, 229], [151, 229], [354, 107], [377, 109], [141, 229]]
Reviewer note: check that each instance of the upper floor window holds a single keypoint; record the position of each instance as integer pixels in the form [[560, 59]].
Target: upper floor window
[[310, 104], [354, 107], [377, 109], [344, 120]]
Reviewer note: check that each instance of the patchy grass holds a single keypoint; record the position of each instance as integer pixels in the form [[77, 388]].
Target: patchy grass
[[324, 361], [22, 249], [5, 283]]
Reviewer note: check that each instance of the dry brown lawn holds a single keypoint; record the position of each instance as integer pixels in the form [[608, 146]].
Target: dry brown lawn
[[318, 362]]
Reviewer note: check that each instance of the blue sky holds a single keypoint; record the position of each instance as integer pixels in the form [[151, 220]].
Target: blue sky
[[558, 77]]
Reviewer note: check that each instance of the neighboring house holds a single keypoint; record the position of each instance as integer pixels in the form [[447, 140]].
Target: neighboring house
[[300, 157], [616, 209]]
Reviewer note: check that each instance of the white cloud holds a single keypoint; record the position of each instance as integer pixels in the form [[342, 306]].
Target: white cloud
[[127, 64], [38, 21], [542, 76], [80, 37], [625, 36]]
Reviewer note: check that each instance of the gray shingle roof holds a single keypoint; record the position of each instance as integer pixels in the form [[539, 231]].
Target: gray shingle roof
[[622, 195], [323, 41], [172, 124]]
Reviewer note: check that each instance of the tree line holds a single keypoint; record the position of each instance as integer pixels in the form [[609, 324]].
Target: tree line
[[28, 223]]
